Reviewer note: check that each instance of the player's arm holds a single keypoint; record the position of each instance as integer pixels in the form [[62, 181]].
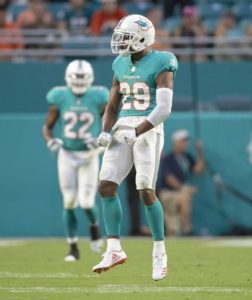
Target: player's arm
[[162, 110], [50, 121], [52, 116], [102, 110], [110, 114]]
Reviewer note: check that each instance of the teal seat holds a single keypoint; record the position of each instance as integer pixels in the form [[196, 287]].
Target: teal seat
[[138, 8], [243, 25], [171, 24], [55, 7], [214, 9], [234, 33], [16, 9], [210, 24], [243, 9]]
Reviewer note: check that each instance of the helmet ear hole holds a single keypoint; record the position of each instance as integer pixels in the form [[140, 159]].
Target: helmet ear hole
[[142, 40]]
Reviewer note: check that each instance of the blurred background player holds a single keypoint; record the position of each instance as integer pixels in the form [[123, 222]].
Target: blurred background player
[[175, 193], [78, 106], [142, 95]]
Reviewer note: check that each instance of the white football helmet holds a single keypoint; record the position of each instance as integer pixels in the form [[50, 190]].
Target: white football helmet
[[79, 76], [132, 34]]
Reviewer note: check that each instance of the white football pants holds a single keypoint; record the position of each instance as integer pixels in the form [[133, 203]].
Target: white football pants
[[78, 178], [145, 154]]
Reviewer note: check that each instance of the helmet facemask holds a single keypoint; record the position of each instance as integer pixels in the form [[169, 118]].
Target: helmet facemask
[[79, 76], [125, 43], [79, 82]]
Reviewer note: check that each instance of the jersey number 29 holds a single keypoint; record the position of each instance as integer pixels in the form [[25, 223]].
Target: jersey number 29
[[141, 93], [72, 118]]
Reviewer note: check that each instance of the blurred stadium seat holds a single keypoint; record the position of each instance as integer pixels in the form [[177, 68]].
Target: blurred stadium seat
[[213, 9], [137, 8], [15, 9], [171, 23], [244, 23], [242, 9], [210, 24], [55, 7]]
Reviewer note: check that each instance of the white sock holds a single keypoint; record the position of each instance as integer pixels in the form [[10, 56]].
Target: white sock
[[72, 240], [158, 248], [114, 245]]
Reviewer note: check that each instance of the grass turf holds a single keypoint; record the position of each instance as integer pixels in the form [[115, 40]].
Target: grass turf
[[198, 269]]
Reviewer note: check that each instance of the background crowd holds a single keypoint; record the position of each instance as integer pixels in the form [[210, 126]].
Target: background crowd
[[228, 19]]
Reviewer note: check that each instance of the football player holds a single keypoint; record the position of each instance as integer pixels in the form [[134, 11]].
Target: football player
[[78, 107], [141, 94]]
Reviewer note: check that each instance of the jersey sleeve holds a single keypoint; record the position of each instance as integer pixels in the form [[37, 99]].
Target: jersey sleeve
[[167, 63], [53, 97], [103, 93]]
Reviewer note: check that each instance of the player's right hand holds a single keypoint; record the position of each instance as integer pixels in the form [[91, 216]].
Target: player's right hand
[[104, 139], [54, 144]]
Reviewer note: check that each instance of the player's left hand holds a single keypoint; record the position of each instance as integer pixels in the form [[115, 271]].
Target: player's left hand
[[127, 136], [91, 142], [54, 144]]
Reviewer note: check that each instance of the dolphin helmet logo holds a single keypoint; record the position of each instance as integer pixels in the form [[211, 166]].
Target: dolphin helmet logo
[[143, 24]]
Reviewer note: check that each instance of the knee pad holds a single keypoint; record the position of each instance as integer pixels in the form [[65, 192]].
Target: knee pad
[[87, 203], [69, 200], [86, 197]]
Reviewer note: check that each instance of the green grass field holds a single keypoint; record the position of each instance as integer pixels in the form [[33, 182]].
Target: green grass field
[[198, 269]]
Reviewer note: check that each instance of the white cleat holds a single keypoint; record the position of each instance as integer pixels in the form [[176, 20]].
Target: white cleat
[[159, 266], [110, 260], [96, 246], [70, 258]]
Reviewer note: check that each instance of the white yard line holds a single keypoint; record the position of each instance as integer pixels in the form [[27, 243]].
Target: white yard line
[[8, 243], [127, 289], [44, 275], [232, 242]]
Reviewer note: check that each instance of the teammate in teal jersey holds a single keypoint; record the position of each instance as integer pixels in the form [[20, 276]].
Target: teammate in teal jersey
[[78, 107], [141, 94]]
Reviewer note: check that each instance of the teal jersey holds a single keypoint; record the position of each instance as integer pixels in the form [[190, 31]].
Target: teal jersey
[[79, 116], [138, 81]]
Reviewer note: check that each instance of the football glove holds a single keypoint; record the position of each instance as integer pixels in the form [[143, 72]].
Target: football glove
[[127, 136], [54, 144], [104, 139]]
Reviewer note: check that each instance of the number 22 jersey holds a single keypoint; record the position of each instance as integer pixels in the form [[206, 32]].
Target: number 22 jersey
[[79, 116]]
